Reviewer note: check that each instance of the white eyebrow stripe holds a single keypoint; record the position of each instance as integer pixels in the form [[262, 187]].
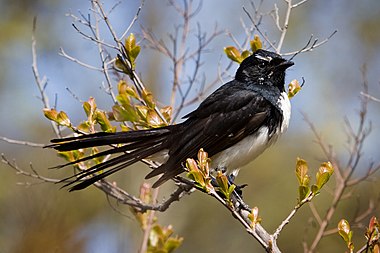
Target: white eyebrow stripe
[[268, 59]]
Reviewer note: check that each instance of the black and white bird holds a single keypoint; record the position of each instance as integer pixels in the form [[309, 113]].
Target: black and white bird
[[234, 124]]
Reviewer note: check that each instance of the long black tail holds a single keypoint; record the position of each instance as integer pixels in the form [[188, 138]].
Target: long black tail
[[137, 145]]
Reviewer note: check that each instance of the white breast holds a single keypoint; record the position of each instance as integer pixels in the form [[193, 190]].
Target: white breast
[[252, 146]]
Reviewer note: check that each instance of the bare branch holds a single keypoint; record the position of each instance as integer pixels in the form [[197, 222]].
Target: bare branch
[[64, 54], [148, 228], [258, 29], [41, 83], [292, 214], [25, 143], [285, 27], [370, 97], [34, 173], [299, 3], [314, 45]]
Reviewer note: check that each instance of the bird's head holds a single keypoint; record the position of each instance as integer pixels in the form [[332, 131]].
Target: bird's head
[[263, 68]]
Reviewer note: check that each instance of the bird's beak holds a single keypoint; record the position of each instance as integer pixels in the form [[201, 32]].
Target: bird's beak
[[285, 64]]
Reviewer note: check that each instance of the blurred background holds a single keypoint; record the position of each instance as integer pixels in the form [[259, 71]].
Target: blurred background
[[42, 217]]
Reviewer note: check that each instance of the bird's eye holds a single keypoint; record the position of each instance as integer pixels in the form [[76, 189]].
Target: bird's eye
[[261, 65]]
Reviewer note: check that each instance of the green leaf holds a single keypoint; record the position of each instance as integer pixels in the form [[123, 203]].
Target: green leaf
[[90, 107], [173, 243], [154, 236], [142, 111], [124, 88], [204, 162], [148, 98], [51, 114], [71, 156], [231, 189], [245, 54], [132, 49], [134, 52], [301, 172], [233, 54], [256, 43], [324, 173], [98, 159], [124, 113], [303, 192], [200, 174], [167, 113], [130, 42], [222, 181], [122, 66], [194, 173], [63, 119], [344, 230], [315, 189], [124, 100], [293, 88], [104, 123], [84, 126], [254, 216], [154, 120], [121, 87]]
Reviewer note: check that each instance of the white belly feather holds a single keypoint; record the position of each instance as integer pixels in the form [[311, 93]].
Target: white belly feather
[[252, 146]]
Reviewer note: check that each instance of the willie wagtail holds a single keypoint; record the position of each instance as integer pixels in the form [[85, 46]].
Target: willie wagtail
[[235, 124]]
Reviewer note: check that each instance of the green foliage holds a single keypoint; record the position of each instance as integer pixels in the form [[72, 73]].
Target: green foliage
[[60, 118], [345, 232], [200, 171], [132, 49], [293, 88], [305, 191], [303, 178], [324, 173], [71, 156], [256, 43], [254, 216], [139, 110], [130, 111], [160, 239], [224, 186], [372, 235], [235, 55]]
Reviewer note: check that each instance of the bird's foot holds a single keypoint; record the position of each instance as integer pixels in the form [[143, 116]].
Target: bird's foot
[[238, 191]]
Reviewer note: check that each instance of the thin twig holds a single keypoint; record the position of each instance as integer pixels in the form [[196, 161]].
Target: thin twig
[[370, 97], [313, 46], [25, 143], [285, 27], [64, 54], [258, 29], [133, 21], [148, 228], [41, 83], [34, 173], [291, 215]]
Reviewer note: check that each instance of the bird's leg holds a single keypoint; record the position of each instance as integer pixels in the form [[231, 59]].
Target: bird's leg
[[237, 193]]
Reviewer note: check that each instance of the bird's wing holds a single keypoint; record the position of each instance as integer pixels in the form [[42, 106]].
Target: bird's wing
[[221, 121]]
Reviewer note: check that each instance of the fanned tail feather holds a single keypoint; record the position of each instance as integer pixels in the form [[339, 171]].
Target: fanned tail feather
[[138, 145], [103, 139]]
